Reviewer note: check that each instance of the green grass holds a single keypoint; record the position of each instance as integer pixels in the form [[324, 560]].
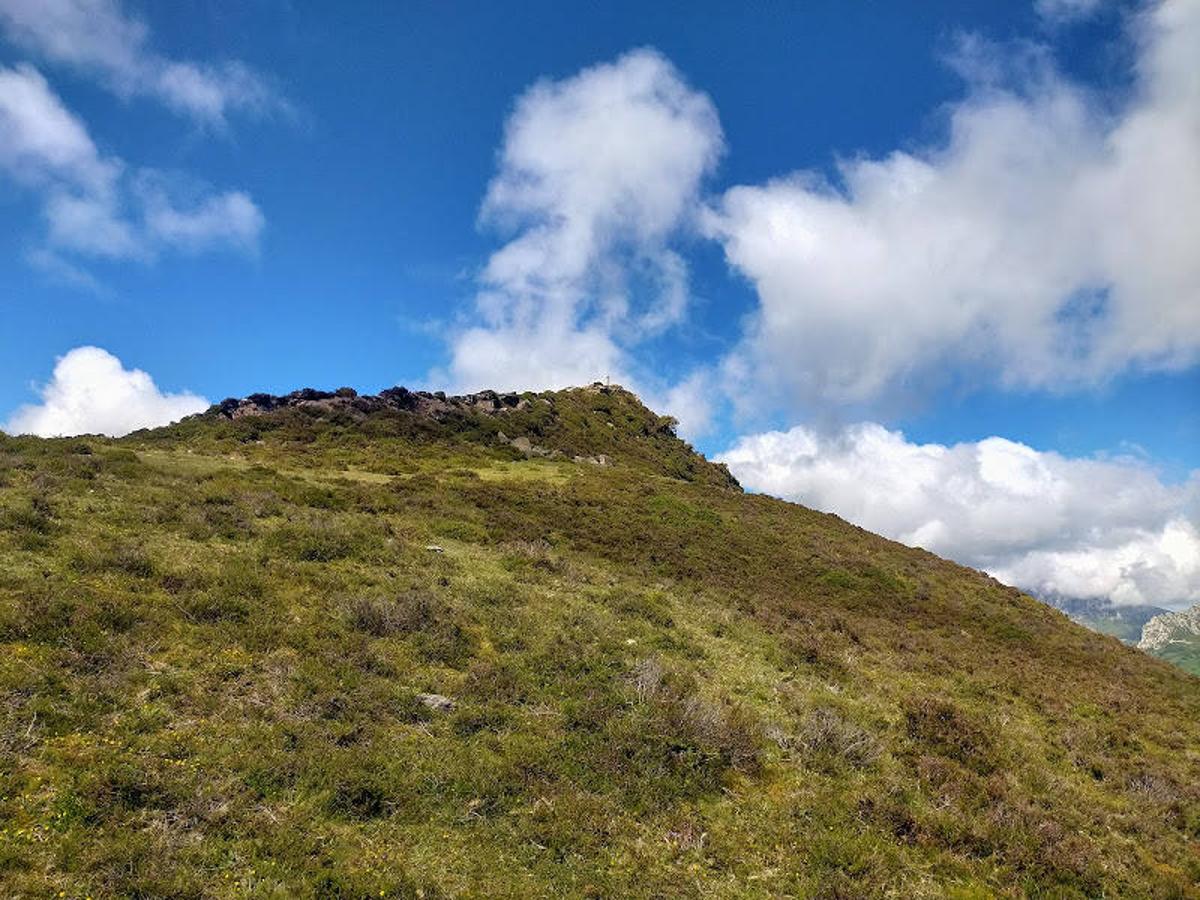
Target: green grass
[[213, 638], [1185, 655]]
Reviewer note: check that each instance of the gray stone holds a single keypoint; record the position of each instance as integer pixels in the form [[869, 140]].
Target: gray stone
[[436, 702]]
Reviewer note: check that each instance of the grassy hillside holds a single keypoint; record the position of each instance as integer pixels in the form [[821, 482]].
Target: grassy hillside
[[1124, 622], [216, 642], [1186, 655]]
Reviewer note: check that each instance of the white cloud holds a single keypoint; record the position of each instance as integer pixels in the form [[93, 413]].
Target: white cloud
[[1049, 243], [60, 270], [41, 141], [92, 393], [92, 224], [597, 174], [546, 355], [96, 206], [210, 220], [96, 36], [1045, 522], [1062, 11], [690, 401]]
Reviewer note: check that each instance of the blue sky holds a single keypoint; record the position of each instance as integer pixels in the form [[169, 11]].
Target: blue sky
[[845, 243]]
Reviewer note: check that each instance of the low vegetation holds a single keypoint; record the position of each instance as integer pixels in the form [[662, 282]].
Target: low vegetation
[[219, 642]]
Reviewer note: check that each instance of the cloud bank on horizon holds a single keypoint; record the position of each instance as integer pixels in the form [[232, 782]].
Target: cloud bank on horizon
[[1046, 243], [1051, 524], [1049, 244]]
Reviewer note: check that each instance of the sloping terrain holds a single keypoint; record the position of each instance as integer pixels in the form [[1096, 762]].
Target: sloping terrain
[[1100, 614], [220, 646]]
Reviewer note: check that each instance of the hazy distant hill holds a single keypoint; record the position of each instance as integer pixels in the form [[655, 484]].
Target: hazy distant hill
[[1100, 614], [530, 646]]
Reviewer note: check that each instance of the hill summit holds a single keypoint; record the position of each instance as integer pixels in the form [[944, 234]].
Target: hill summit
[[587, 424], [526, 645]]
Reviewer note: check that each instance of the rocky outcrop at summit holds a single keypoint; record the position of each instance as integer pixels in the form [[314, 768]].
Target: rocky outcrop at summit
[[601, 425], [433, 405]]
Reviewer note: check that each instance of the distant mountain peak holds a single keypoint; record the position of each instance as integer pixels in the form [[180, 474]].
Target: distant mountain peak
[[1101, 614], [1172, 628]]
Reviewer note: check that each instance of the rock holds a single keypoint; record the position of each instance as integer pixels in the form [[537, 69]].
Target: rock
[[485, 400], [436, 702], [436, 405], [308, 395], [529, 448], [1171, 628], [400, 398], [598, 460]]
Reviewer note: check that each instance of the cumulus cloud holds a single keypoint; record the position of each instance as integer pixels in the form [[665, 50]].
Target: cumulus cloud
[[689, 401], [98, 37], [597, 174], [549, 354], [94, 205], [1048, 243], [1047, 523], [91, 392]]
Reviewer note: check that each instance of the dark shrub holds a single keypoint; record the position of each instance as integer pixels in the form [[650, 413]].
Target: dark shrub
[[492, 717], [940, 727], [426, 620], [32, 525], [652, 607], [322, 540], [216, 607], [495, 680], [359, 796]]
